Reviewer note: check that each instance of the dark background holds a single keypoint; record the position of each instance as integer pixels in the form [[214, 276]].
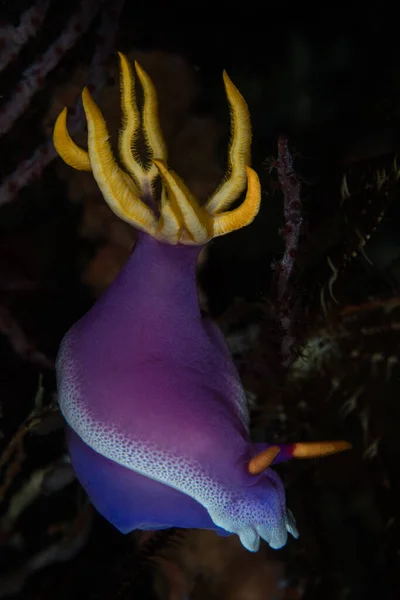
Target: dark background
[[329, 79]]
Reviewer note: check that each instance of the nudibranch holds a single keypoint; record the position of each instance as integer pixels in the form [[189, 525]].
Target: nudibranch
[[156, 416]]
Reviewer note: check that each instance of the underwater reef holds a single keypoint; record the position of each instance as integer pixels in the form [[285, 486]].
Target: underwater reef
[[306, 295]]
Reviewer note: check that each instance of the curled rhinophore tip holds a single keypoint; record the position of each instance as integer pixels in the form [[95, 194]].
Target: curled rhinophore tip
[[262, 461], [317, 449], [71, 153]]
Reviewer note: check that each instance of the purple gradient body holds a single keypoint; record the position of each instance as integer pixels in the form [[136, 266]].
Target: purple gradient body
[[150, 370], [130, 500]]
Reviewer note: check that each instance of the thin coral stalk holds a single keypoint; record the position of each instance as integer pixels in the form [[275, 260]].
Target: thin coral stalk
[[35, 75], [31, 169], [291, 233]]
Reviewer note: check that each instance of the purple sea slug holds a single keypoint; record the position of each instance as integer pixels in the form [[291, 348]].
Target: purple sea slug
[[157, 419]]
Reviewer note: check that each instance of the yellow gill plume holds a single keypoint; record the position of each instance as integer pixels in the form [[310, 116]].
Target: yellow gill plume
[[181, 219]]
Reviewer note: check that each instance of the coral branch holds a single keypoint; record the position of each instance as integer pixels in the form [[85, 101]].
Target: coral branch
[[290, 232], [12, 39], [34, 76], [14, 454], [31, 169], [292, 210]]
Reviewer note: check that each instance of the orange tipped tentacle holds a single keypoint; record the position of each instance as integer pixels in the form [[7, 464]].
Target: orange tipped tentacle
[[282, 452], [263, 460], [317, 449]]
